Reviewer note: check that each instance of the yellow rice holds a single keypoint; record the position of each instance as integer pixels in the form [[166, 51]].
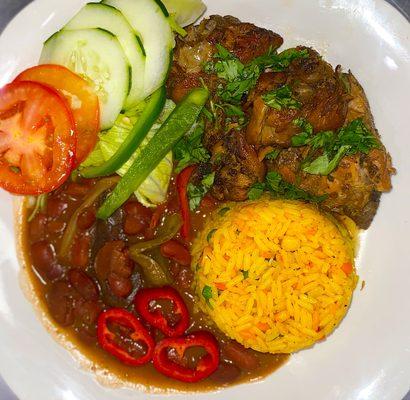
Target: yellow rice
[[274, 270]]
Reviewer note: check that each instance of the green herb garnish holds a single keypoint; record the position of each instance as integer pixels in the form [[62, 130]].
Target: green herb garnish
[[281, 98], [207, 294], [223, 211], [190, 150], [245, 274], [273, 155], [256, 191], [351, 139], [210, 235], [197, 192], [278, 188], [279, 62], [240, 78]]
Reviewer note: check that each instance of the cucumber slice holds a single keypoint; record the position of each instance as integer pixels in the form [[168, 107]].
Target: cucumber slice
[[151, 20], [97, 56], [97, 15], [185, 12]]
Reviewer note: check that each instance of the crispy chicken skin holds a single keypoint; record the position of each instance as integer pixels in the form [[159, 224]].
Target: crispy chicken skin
[[314, 84], [354, 188]]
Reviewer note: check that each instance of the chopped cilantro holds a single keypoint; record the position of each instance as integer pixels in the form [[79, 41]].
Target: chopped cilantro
[[197, 192], [207, 294], [223, 211], [304, 125], [210, 234], [279, 62], [239, 78], [256, 191], [281, 98], [273, 155], [245, 274], [190, 150], [351, 139], [278, 188]]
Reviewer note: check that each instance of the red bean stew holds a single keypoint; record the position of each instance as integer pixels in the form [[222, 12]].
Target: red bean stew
[[135, 319]]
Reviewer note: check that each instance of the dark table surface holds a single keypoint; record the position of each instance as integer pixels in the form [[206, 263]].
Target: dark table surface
[[9, 8]]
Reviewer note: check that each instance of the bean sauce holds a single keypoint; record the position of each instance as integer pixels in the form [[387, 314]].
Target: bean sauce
[[100, 274]]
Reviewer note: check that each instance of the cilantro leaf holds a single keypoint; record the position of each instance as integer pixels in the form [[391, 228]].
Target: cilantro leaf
[[207, 294], [197, 192], [304, 125], [281, 98], [256, 191], [358, 137], [273, 155], [279, 62], [278, 188], [210, 234], [301, 139], [190, 150], [351, 139], [323, 165], [223, 211], [245, 273]]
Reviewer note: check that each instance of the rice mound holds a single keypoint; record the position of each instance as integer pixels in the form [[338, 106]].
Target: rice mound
[[271, 274]]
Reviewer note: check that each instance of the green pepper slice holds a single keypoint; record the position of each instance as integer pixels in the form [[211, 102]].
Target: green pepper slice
[[172, 130], [137, 134]]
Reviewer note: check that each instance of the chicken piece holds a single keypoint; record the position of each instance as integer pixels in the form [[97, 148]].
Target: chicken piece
[[354, 188], [245, 40], [238, 167], [314, 84]]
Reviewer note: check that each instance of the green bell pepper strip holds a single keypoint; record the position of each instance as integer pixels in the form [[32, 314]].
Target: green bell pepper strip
[[137, 134], [172, 130]]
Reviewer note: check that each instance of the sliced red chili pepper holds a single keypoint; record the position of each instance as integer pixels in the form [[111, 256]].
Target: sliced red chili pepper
[[156, 318], [206, 365], [182, 183], [107, 338]]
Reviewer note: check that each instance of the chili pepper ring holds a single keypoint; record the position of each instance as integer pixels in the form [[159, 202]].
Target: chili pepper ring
[[106, 337]]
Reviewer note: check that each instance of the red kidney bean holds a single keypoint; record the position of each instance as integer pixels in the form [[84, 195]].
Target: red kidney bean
[[137, 219], [119, 286], [86, 219], [56, 207], [60, 300], [114, 266], [80, 252], [226, 373], [38, 228], [113, 257], [133, 225], [242, 357], [86, 313], [44, 260], [176, 251], [136, 208], [56, 227], [83, 284]]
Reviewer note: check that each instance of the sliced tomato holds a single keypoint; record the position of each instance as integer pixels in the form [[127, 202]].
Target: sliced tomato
[[81, 97], [37, 138]]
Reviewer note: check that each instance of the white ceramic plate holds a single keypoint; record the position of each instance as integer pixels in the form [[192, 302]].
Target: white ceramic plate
[[368, 357]]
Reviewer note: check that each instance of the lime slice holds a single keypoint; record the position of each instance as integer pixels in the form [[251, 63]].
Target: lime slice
[[185, 12]]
